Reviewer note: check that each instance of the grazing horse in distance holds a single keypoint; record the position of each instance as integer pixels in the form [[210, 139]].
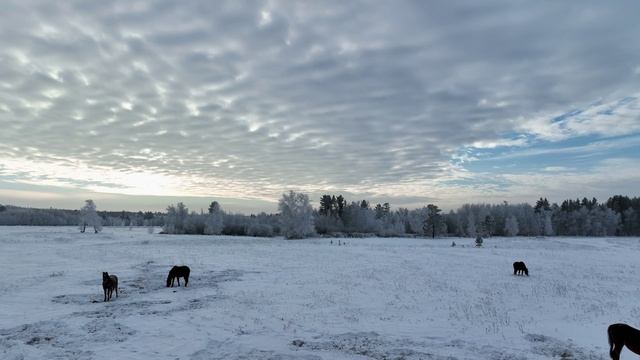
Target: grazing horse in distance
[[109, 283], [519, 268], [178, 272], [621, 335]]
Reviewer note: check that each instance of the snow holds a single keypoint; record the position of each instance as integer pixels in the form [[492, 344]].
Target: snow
[[257, 298]]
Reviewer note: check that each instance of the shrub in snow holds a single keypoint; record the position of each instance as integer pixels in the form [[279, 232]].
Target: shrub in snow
[[296, 215], [260, 230], [478, 240]]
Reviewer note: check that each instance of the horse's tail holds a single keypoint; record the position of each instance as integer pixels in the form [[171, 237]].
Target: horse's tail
[[610, 336]]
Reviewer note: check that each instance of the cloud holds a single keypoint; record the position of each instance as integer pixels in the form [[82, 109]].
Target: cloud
[[248, 100], [613, 118]]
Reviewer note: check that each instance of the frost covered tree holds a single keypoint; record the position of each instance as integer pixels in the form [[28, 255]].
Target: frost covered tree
[[511, 226], [391, 225], [296, 215], [471, 226], [214, 221], [89, 217], [359, 218], [548, 226], [175, 220]]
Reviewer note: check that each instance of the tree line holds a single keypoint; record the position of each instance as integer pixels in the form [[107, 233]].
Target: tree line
[[335, 216]]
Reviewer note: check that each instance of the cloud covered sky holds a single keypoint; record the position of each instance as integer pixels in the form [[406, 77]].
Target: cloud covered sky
[[141, 104]]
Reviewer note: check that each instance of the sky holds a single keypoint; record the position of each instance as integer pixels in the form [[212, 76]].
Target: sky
[[138, 105]]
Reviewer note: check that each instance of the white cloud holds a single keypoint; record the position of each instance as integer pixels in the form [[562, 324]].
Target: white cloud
[[492, 144], [253, 100], [612, 118]]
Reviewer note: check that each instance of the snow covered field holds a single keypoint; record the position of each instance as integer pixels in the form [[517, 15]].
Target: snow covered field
[[252, 298]]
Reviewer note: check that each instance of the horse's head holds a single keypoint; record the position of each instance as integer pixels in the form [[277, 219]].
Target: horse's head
[[170, 276], [105, 276]]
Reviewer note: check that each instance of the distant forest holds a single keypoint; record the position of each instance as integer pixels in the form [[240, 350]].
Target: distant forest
[[336, 217]]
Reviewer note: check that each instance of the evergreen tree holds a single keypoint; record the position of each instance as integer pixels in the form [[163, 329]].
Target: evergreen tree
[[433, 223], [340, 205]]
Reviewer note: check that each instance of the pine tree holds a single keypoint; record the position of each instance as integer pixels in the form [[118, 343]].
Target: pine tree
[[433, 223]]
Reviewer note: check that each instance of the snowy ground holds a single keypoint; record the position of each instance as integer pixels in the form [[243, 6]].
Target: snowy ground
[[253, 298]]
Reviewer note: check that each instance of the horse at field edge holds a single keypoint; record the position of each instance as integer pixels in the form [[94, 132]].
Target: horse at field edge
[[621, 335]]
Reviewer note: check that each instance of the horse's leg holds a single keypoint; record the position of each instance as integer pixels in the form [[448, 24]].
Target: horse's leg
[[105, 294], [616, 349], [186, 281], [178, 280], [616, 342]]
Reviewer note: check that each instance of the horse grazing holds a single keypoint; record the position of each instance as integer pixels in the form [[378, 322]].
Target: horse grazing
[[621, 335], [519, 268], [109, 283], [178, 272]]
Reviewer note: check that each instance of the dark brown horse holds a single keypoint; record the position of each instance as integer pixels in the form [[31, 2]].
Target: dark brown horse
[[519, 268], [109, 283], [178, 272], [621, 335]]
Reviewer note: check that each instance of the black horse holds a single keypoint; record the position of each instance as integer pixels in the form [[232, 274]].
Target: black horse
[[109, 283], [519, 268], [178, 272], [621, 335]]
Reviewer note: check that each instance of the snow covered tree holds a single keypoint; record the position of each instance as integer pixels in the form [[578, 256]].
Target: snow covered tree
[[89, 217], [511, 226], [471, 226], [391, 225], [548, 226], [360, 219], [175, 220], [214, 207], [296, 215], [214, 221]]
